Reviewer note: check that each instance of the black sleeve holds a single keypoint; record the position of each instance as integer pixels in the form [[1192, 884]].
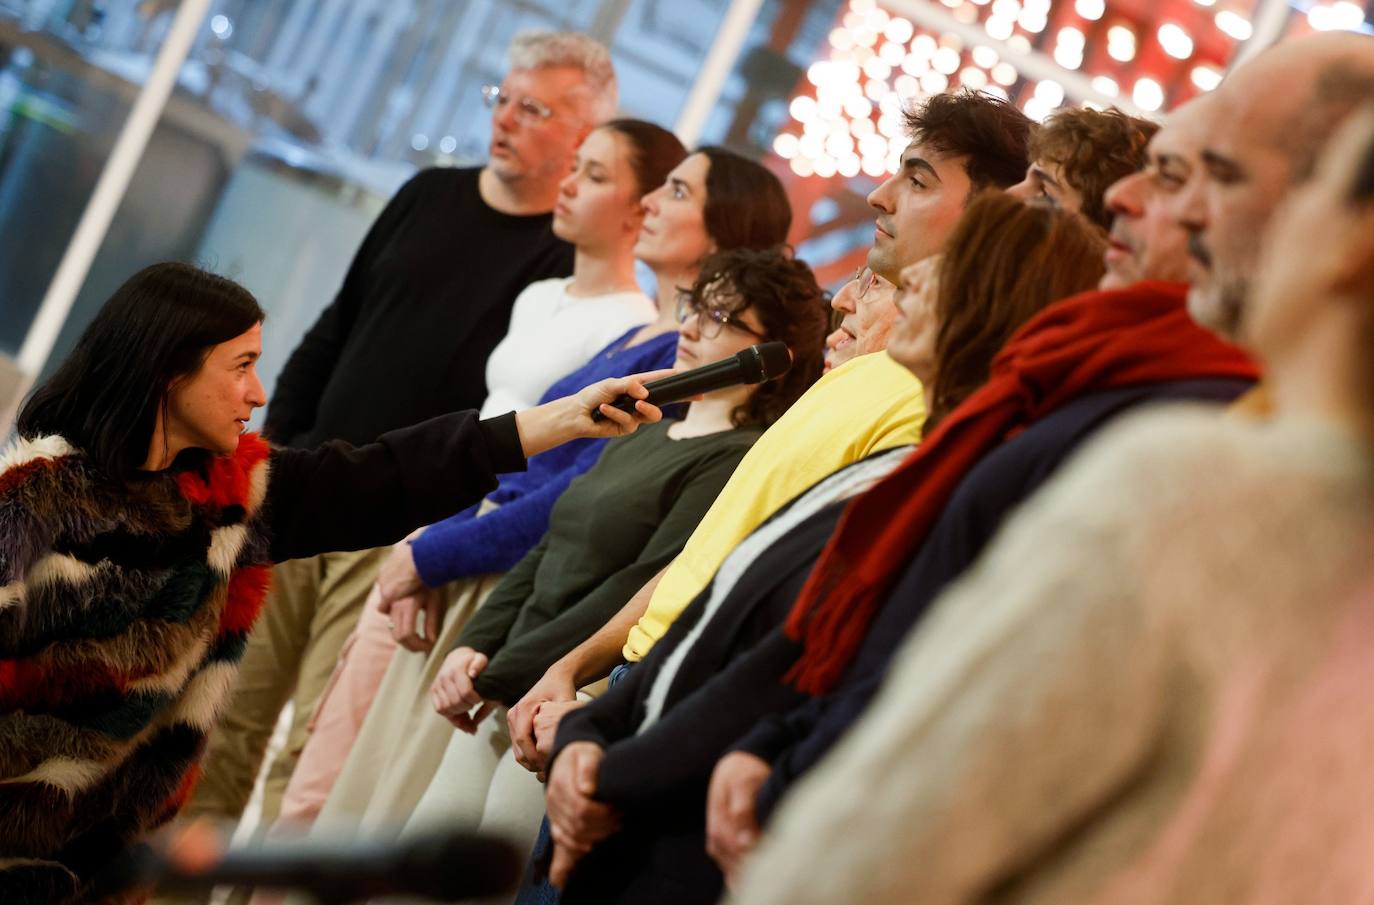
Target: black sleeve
[[806, 736], [684, 745], [487, 629], [607, 719], [343, 497], [295, 398]]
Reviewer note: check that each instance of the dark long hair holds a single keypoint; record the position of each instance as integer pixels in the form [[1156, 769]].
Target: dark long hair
[[746, 206], [158, 327], [654, 151], [1004, 262], [791, 308]]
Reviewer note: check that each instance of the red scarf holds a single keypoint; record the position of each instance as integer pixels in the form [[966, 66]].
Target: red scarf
[[1090, 342]]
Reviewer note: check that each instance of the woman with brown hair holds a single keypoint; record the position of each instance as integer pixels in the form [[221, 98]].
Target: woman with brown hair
[[1003, 264], [648, 745]]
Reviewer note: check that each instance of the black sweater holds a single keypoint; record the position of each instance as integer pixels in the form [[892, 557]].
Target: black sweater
[[343, 497], [426, 299]]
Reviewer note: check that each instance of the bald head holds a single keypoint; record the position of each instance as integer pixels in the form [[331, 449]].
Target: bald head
[[1271, 118], [1292, 97]]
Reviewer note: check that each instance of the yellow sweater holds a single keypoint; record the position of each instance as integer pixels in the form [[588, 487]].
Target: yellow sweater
[[866, 405]]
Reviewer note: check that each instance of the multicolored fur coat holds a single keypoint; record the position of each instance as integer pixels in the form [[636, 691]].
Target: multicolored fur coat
[[124, 610]]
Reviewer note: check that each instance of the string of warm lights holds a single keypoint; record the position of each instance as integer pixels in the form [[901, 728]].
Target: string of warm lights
[[847, 117]]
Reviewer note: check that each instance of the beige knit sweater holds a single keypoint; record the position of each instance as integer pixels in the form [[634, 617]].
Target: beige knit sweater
[[1156, 687]]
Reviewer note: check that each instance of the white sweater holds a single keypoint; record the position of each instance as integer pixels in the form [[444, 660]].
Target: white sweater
[[551, 335]]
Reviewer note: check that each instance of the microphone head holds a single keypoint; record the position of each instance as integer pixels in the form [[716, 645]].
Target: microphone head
[[765, 361]]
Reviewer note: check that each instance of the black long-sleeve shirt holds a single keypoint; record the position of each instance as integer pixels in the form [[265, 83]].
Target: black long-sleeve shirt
[[427, 297], [343, 497]]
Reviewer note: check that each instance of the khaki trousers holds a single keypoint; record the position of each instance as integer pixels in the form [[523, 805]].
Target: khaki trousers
[[291, 653], [402, 739]]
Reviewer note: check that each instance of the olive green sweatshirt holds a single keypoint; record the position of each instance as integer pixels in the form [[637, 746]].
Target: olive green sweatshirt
[[612, 530]]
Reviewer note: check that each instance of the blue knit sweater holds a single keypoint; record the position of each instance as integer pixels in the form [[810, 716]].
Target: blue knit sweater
[[465, 545]]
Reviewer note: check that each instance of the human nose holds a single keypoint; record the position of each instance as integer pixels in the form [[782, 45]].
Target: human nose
[[1022, 191], [650, 201], [1123, 196], [257, 393], [568, 187], [691, 327], [881, 197], [844, 299], [504, 114]]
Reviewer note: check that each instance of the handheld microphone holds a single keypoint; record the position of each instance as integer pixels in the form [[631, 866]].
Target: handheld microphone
[[756, 364], [441, 866]]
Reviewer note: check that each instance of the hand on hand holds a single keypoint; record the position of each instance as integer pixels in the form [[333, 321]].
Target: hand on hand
[[732, 827], [453, 694], [398, 576], [576, 820], [546, 720], [555, 686], [405, 621]]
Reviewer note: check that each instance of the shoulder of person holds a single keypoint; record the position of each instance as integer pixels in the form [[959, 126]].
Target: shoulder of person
[[548, 291], [29, 460], [431, 179], [870, 379], [728, 447], [1167, 457]]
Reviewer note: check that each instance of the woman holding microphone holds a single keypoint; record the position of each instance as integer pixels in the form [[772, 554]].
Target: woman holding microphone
[[138, 524]]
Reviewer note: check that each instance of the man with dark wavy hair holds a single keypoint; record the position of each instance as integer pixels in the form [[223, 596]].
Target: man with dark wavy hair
[[1079, 153]]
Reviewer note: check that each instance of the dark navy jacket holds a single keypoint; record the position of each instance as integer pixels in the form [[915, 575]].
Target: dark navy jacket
[[990, 491]]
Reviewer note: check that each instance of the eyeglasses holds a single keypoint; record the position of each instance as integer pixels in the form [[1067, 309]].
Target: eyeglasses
[[710, 321], [866, 279], [528, 111]]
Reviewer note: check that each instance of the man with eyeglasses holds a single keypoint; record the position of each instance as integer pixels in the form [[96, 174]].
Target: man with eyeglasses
[[860, 319], [427, 297]]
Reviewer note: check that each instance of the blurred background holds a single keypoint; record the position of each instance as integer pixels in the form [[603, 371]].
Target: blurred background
[[292, 121]]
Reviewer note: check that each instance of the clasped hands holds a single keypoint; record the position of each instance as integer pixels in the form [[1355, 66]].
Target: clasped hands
[[453, 694], [403, 595], [577, 821]]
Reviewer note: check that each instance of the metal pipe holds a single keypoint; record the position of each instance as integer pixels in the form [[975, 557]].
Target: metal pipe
[[719, 63], [109, 191], [1267, 25]]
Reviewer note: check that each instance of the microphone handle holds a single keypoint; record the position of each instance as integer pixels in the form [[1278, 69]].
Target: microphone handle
[[437, 867], [715, 376]]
